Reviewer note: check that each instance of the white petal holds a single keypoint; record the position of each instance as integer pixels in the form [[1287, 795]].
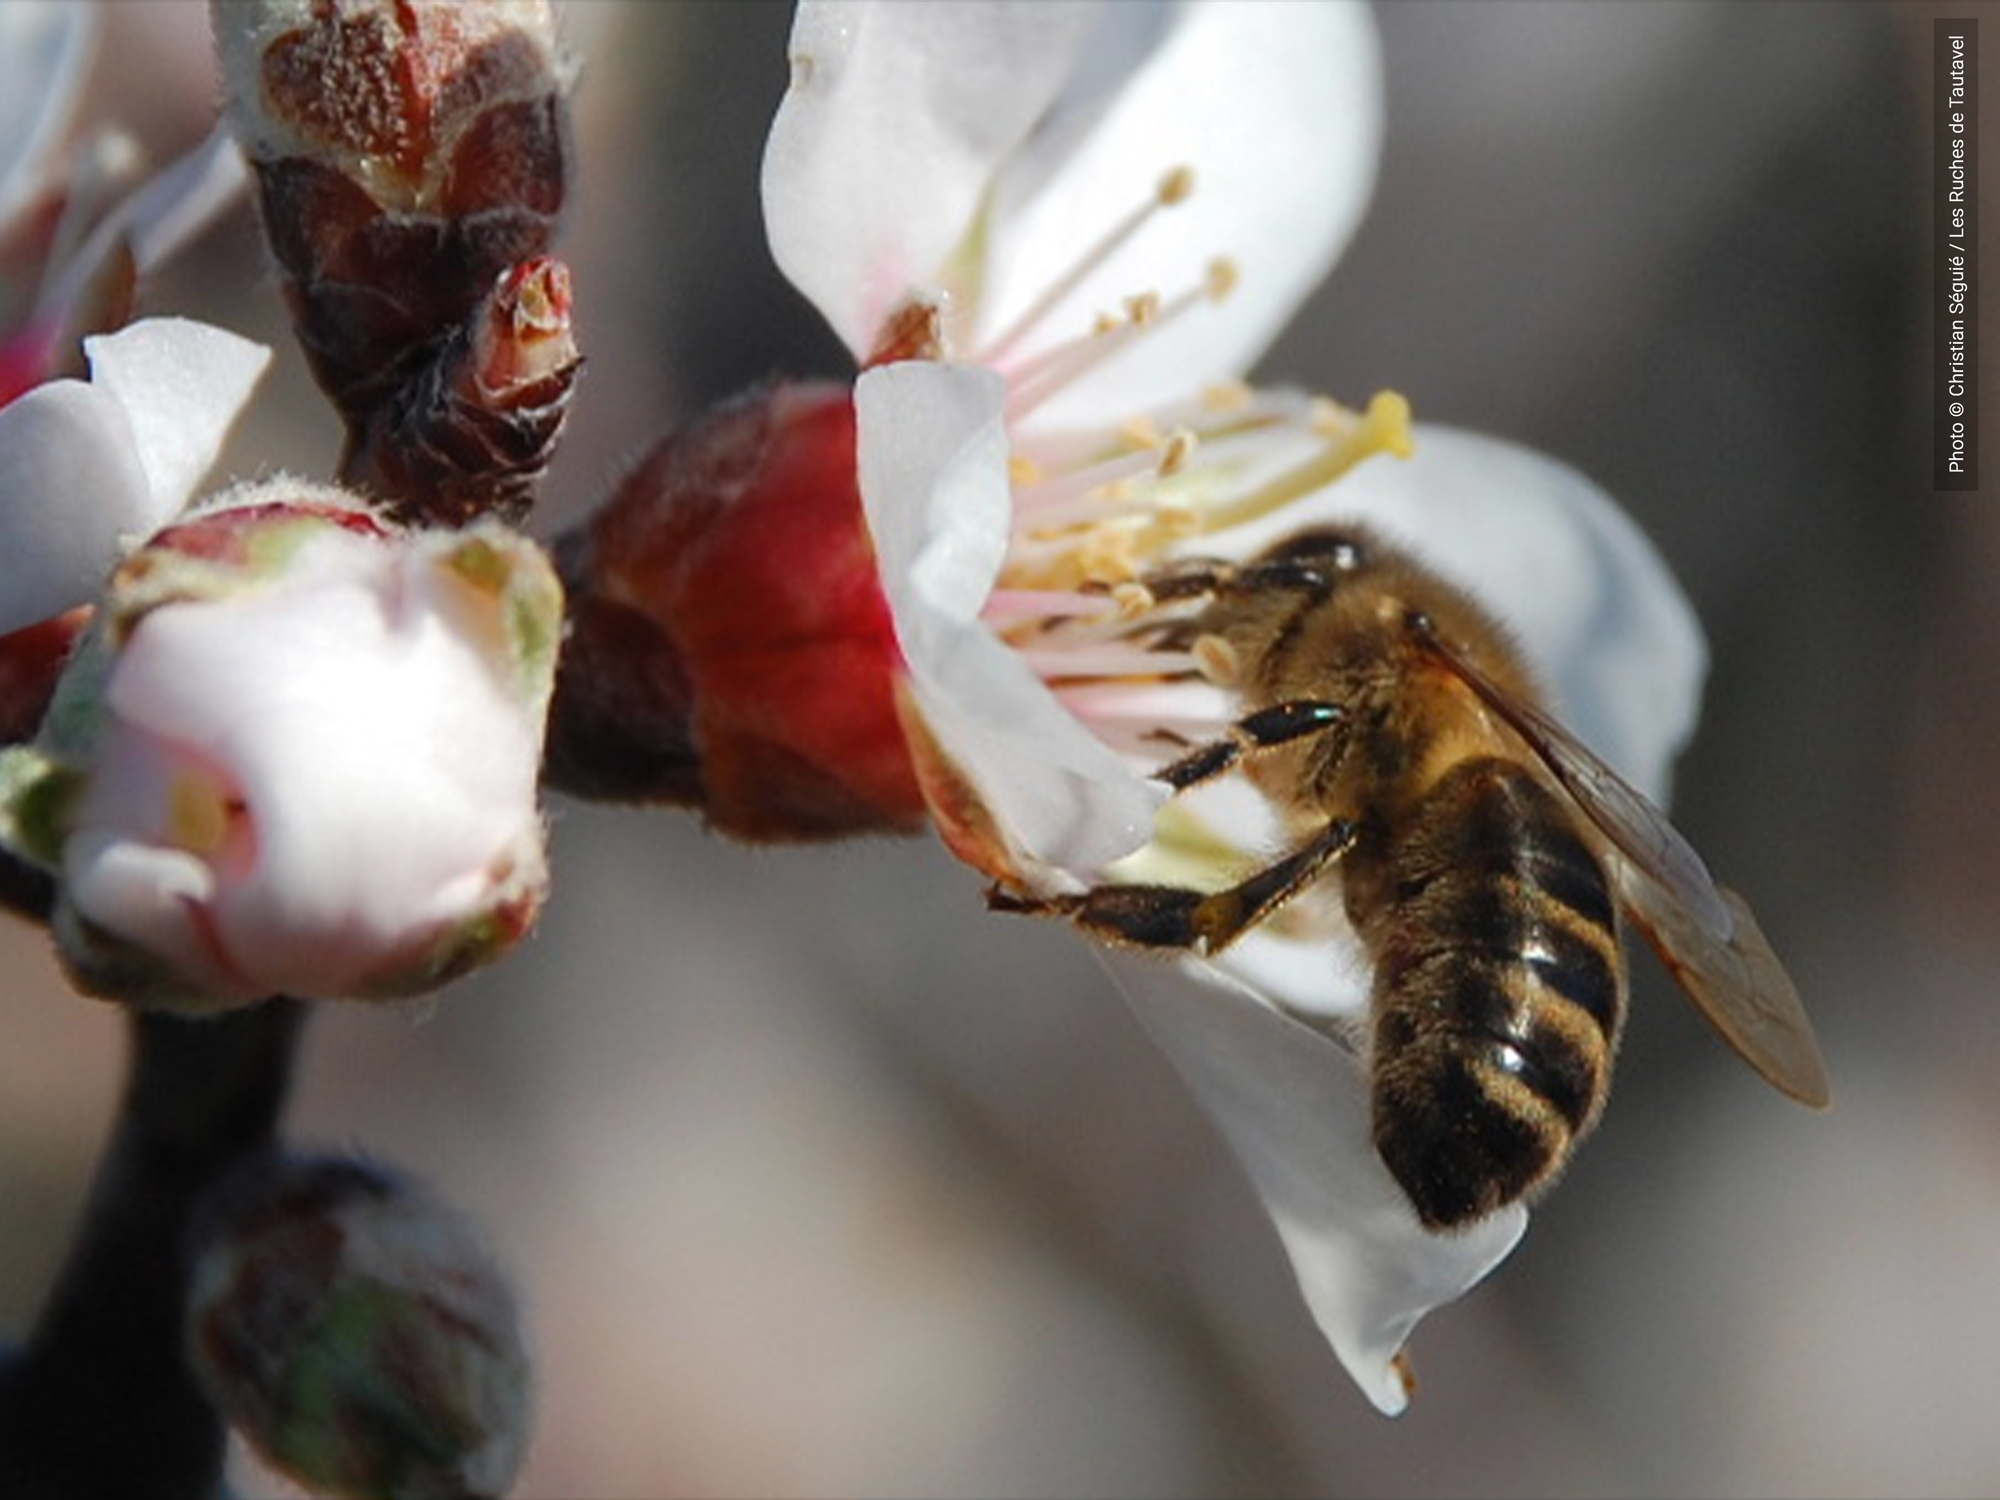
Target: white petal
[[1293, 1105], [1579, 585], [182, 385], [1277, 107], [148, 895], [73, 494], [897, 115], [45, 47], [932, 456]]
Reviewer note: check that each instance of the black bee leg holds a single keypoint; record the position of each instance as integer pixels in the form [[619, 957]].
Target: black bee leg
[[1168, 916], [1206, 577], [1266, 729]]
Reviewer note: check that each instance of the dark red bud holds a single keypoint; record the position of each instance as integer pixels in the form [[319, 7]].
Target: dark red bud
[[730, 647]]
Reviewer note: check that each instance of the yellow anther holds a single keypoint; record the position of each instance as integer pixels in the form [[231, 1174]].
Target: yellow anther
[[1218, 661], [1141, 434], [1133, 599], [1329, 419], [1023, 470], [1223, 275], [1228, 396], [1179, 449], [1175, 186], [1385, 426], [1107, 555], [1142, 309]]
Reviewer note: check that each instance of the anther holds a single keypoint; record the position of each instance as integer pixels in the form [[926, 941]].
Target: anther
[[1133, 599], [1175, 186], [1217, 661], [1172, 189]]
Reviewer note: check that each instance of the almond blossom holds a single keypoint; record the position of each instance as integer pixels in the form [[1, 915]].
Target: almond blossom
[[1056, 238]]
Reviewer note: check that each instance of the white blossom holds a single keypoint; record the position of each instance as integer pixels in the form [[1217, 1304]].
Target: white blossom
[[1059, 237]]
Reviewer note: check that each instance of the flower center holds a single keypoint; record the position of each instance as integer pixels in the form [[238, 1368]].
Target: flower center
[[1096, 513]]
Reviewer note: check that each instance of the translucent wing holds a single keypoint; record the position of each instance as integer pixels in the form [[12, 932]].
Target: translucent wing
[[1704, 933]]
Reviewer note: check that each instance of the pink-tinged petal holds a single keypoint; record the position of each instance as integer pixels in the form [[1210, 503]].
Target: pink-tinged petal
[[45, 48], [1276, 107], [897, 117], [1293, 1105], [1582, 589], [151, 896], [182, 385], [73, 495], [932, 455]]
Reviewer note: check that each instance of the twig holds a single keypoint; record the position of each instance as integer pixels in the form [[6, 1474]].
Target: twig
[[102, 1401]]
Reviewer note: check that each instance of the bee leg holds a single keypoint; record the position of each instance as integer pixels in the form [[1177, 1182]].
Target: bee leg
[[1168, 916], [1196, 577], [1266, 729]]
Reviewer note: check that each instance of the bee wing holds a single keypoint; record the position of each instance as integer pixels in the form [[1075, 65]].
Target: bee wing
[[1704, 933]]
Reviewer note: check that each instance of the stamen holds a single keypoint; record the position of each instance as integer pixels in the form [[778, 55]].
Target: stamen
[[1172, 189], [1383, 428], [1101, 491], [1055, 367], [1229, 396], [1006, 609], [1066, 499], [1218, 661], [1113, 661]]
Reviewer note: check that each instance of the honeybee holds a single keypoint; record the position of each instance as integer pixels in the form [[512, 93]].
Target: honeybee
[[1486, 860]]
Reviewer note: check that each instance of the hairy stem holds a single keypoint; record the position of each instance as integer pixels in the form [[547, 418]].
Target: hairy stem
[[102, 1401]]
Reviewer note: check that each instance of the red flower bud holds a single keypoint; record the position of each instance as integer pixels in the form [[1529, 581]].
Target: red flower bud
[[730, 647]]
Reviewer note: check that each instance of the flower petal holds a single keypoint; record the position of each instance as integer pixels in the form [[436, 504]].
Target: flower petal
[[88, 469], [1277, 108], [1293, 1104], [1579, 585], [45, 48], [73, 492], [896, 117], [182, 384], [932, 456]]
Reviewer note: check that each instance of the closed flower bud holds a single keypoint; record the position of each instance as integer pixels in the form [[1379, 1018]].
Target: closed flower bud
[[407, 152], [359, 1333], [298, 753], [731, 646]]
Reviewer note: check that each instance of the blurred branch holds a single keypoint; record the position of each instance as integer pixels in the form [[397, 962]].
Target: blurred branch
[[102, 1400]]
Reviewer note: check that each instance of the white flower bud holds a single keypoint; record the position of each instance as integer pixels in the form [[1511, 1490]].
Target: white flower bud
[[299, 755]]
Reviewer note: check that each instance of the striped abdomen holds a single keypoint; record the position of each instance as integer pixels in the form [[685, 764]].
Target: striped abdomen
[[1499, 991]]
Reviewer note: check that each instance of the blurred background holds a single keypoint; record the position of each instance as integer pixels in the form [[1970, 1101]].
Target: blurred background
[[819, 1181]]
